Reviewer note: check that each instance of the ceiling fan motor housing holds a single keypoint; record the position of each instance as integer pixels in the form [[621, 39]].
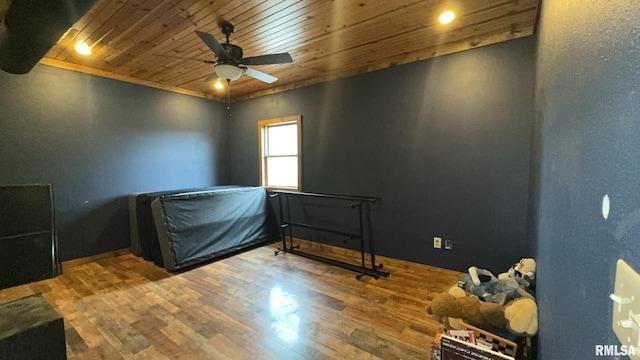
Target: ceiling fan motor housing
[[234, 52]]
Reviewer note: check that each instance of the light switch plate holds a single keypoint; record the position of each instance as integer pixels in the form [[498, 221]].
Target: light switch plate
[[626, 306]]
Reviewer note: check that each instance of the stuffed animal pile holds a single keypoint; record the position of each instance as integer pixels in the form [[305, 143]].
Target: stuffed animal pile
[[492, 303], [524, 272]]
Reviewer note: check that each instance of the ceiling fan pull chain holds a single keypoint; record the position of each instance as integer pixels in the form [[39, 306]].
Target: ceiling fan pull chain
[[229, 97]]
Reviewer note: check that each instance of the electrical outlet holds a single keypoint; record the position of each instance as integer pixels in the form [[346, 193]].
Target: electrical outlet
[[448, 244], [437, 242], [626, 306]]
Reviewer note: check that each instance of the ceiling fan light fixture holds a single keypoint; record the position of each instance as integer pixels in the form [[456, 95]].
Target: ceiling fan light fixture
[[218, 84], [228, 72]]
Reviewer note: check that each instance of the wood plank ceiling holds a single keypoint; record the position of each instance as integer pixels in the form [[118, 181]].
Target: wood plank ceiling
[[327, 39]]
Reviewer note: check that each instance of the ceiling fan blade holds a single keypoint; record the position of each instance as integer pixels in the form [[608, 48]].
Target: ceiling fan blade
[[259, 75], [212, 77], [184, 58], [212, 43], [283, 58]]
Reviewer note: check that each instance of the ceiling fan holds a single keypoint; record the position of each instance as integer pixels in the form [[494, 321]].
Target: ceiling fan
[[230, 64]]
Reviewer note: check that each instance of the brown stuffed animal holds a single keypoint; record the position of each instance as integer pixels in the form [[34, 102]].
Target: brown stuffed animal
[[519, 316]]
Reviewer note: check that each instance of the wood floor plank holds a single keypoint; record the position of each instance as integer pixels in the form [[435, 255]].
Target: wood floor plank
[[253, 305]]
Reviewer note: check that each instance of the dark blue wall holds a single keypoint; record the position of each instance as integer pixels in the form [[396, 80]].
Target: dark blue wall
[[444, 142], [587, 102], [97, 140]]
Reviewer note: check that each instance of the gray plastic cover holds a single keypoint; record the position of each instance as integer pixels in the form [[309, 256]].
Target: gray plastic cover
[[145, 240], [200, 226]]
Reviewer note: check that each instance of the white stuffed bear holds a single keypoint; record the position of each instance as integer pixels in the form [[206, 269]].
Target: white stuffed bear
[[524, 271]]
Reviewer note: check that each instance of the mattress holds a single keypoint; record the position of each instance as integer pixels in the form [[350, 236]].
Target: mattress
[[199, 226], [144, 239], [133, 225]]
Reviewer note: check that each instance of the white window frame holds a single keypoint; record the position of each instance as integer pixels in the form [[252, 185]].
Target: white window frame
[[262, 127]]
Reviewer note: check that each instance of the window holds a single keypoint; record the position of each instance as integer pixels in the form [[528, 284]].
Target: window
[[280, 153]]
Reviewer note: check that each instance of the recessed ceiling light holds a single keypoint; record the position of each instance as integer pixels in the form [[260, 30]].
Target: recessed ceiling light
[[82, 48], [447, 17]]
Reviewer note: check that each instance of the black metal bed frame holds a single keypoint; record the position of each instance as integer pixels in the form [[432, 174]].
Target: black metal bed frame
[[361, 203]]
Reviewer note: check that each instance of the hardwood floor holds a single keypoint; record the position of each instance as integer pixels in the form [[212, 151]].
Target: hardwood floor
[[254, 305]]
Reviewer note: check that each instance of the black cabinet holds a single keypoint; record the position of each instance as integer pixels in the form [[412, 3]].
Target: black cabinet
[[28, 247]]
